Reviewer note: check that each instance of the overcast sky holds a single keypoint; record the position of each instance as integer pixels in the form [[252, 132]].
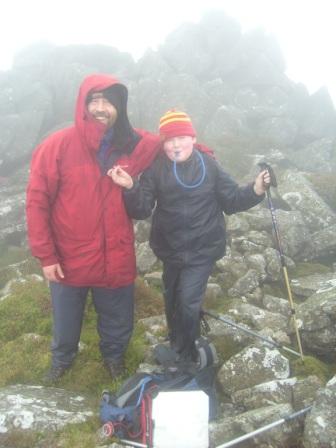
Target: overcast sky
[[305, 29]]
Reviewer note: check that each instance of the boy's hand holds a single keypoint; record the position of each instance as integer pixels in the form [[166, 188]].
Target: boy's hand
[[120, 177], [262, 182]]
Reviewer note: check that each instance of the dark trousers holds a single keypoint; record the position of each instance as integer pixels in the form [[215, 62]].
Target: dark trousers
[[115, 312], [184, 289]]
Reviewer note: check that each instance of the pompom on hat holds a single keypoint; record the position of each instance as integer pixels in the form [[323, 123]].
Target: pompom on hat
[[175, 123]]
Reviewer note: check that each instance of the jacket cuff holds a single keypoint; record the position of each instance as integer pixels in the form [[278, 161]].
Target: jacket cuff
[[130, 191], [259, 196]]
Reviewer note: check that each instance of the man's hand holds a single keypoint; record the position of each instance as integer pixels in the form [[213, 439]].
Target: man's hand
[[262, 182], [120, 177], [53, 273]]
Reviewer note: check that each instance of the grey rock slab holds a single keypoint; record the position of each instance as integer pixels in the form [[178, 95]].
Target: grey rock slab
[[251, 366], [41, 408]]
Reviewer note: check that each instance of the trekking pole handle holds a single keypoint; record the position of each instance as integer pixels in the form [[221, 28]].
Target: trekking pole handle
[[265, 166]]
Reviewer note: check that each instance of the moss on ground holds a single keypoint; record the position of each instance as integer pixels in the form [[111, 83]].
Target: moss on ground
[[226, 348], [27, 310], [307, 269], [25, 336], [23, 439], [312, 366], [81, 435], [276, 289], [24, 360]]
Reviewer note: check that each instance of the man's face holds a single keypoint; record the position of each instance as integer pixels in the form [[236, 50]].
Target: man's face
[[102, 110], [179, 148]]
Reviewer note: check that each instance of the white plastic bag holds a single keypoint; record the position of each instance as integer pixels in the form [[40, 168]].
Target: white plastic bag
[[181, 419]]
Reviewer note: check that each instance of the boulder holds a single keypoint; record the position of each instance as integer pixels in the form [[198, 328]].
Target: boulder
[[287, 434], [298, 192], [24, 407], [256, 317], [245, 284], [277, 305], [299, 392], [314, 283], [317, 320], [322, 245], [145, 257], [253, 365], [320, 429]]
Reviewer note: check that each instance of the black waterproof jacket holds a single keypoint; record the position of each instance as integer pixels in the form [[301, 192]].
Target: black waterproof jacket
[[188, 225]]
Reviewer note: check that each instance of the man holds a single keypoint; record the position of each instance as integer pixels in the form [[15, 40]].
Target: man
[[77, 224], [189, 192]]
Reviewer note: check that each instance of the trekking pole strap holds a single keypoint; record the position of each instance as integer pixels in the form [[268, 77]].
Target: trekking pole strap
[[265, 428]]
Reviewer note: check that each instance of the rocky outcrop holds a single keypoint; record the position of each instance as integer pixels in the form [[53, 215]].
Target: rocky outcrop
[[320, 428], [317, 316], [38, 408]]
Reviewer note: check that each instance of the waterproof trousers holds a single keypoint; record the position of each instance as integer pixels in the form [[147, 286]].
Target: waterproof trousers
[[114, 308], [184, 290]]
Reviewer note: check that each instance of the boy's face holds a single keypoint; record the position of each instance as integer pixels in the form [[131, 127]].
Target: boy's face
[[102, 110], [179, 148]]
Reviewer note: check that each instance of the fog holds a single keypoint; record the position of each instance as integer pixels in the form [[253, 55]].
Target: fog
[[305, 30]]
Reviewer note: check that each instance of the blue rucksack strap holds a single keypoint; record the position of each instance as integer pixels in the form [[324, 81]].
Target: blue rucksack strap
[[140, 386]]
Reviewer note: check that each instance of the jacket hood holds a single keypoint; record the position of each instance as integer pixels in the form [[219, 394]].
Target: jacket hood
[[91, 130]]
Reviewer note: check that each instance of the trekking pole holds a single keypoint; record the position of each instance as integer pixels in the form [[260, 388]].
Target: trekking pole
[[251, 332], [265, 166], [265, 428]]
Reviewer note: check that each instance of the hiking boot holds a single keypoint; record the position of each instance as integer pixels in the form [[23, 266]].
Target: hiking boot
[[54, 374], [115, 367]]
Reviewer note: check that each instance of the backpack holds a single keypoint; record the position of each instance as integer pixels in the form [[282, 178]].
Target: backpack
[[128, 413]]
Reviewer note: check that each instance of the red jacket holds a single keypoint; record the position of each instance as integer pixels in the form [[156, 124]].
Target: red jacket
[[75, 214]]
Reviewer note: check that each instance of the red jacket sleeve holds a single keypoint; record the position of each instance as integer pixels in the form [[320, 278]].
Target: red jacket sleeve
[[205, 149], [144, 153], [41, 192], [147, 150]]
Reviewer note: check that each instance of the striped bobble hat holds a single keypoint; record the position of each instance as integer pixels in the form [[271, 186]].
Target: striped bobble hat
[[175, 123]]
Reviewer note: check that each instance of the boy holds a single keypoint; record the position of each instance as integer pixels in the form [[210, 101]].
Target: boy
[[189, 192]]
